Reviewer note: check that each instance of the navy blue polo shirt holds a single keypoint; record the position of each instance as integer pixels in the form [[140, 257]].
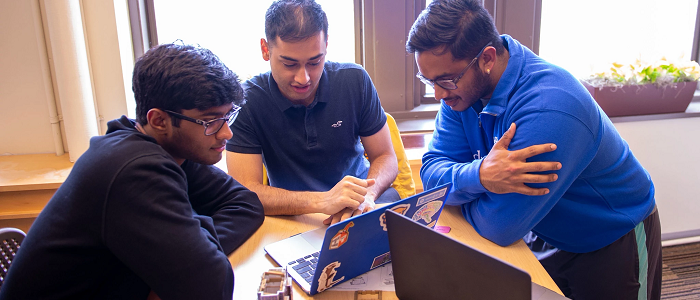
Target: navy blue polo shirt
[[310, 148]]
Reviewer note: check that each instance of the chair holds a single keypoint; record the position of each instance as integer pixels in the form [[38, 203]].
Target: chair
[[403, 183], [10, 240]]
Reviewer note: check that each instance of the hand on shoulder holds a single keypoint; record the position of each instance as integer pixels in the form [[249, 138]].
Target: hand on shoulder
[[504, 171]]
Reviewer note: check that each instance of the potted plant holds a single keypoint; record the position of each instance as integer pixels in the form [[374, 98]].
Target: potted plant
[[644, 88]]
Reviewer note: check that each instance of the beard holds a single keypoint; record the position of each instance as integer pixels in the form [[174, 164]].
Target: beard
[[481, 87]]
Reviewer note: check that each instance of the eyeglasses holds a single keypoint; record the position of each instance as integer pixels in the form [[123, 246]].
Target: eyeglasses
[[450, 84], [211, 126]]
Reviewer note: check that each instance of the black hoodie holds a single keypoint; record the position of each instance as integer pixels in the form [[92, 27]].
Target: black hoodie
[[128, 220]]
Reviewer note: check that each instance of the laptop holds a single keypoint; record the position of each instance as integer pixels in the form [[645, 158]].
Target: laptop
[[430, 265], [319, 259]]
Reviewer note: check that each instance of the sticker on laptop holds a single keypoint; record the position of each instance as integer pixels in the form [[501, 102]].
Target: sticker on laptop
[[341, 237], [359, 280], [326, 280], [401, 209], [380, 260], [430, 197], [427, 212]]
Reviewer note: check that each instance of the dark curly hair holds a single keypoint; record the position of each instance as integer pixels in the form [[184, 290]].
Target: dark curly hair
[[179, 77], [463, 26], [294, 20]]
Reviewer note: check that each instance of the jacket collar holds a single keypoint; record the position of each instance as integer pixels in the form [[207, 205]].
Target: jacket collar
[[499, 99]]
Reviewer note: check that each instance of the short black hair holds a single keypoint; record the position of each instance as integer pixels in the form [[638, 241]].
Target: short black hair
[[180, 77], [464, 27], [294, 20]]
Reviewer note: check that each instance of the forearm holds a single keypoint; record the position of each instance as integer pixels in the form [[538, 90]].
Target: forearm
[[235, 224], [236, 212], [507, 217], [383, 170], [277, 201], [437, 170]]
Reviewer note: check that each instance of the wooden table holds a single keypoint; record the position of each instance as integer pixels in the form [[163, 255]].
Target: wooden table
[[250, 260], [27, 182]]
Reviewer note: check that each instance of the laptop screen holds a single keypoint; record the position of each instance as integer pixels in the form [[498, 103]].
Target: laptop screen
[[429, 265]]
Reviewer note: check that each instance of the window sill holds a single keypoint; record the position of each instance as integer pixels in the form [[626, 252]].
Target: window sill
[[422, 118], [418, 120]]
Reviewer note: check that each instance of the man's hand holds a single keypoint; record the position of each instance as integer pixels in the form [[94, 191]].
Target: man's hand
[[504, 171], [344, 199], [348, 212]]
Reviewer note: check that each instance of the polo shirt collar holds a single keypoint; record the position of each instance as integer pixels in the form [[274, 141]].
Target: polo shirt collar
[[499, 100], [282, 103]]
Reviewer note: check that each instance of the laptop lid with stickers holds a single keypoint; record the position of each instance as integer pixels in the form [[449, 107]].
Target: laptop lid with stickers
[[360, 244]]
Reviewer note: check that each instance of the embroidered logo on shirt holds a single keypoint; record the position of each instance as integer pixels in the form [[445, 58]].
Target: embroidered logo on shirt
[[337, 124], [478, 154], [495, 140]]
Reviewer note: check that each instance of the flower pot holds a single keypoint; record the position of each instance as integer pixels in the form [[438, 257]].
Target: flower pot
[[647, 99]]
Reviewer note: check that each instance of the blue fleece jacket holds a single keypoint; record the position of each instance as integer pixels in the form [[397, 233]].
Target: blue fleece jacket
[[602, 191]]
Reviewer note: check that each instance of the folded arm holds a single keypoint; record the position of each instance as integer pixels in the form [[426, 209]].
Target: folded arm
[[150, 225], [235, 210], [450, 159], [506, 217]]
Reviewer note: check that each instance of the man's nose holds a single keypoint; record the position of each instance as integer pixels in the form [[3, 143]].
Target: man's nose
[[225, 132], [440, 93], [302, 76]]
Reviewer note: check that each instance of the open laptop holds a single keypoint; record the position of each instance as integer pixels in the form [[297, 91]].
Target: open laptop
[[430, 265], [322, 258]]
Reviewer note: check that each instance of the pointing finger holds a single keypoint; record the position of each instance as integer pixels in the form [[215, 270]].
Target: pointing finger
[[504, 142]]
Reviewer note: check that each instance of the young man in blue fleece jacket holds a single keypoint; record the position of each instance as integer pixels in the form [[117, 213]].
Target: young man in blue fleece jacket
[[144, 213], [566, 179]]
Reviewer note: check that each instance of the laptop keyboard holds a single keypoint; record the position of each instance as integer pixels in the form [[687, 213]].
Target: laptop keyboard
[[305, 266]]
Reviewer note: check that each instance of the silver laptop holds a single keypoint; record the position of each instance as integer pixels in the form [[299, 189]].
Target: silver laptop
[[319, 259], [430, 265]]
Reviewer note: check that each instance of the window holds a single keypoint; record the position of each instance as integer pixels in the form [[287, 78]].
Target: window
[[585, 37], [375, 35], [232, 29], [372, 36]]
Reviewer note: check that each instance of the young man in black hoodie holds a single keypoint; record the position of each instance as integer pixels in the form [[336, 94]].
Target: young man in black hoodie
[[143, 211]]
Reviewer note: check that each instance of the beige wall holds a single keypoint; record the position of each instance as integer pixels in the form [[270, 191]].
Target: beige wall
[[26, 88]]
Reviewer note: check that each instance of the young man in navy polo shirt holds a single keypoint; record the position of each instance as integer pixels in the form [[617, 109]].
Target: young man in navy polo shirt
[[310, 122]]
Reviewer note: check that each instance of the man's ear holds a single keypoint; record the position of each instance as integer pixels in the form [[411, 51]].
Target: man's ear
[[158, 120], [265, 49], [488, 59]]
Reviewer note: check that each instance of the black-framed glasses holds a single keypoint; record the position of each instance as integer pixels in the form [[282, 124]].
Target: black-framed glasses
[[450, 84], [211, 126]]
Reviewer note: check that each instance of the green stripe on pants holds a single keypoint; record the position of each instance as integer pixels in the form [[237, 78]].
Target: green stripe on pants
[[643, 260]]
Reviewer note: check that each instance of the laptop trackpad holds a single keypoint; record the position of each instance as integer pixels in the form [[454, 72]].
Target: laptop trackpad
[[315, 237]]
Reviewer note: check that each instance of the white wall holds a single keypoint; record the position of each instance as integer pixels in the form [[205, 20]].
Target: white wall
[[24, 89], [670, 151], [106, 59]]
